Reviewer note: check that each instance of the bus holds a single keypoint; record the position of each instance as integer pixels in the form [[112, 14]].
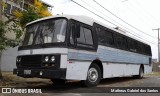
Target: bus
[[70, 47]]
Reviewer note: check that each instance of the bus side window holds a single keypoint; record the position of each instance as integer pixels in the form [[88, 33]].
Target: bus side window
[[139, 47], [109, 37], [88, 36], [84, 37], [81, 38], [120, 41], [146, 50], [105, 37], [101, 36], [132, 45]]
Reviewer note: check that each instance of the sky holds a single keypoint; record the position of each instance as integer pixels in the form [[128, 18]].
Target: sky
[[138, 17]]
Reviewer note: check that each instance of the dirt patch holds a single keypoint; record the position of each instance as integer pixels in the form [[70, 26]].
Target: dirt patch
[[10, 80]]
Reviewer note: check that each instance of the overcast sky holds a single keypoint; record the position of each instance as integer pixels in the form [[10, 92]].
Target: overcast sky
[[141, 14]]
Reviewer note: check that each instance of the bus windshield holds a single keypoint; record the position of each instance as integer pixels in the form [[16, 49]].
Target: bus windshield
[[47, 31]]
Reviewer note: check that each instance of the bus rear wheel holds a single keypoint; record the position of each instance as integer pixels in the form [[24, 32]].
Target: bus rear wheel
[[93, 76], [140, 75]]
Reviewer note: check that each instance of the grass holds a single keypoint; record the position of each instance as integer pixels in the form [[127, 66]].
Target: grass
[[153, 74]]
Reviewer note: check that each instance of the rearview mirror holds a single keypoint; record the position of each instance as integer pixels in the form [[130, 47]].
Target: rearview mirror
[[77, 30]]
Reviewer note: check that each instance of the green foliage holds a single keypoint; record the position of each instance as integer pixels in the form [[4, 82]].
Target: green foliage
[[4, 41], [17, 30], [33, 12], [16, 22], [2, 35], [2, 29], [28, 16]]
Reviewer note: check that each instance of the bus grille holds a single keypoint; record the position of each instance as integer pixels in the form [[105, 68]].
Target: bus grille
[[31, 61]]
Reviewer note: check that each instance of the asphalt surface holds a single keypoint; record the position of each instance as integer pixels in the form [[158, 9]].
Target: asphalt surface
[[77, 89], [104, 86]]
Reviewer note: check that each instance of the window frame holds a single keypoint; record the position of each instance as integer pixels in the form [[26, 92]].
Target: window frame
[[129, 47], [105, 29], [86, 46], [47, 45]]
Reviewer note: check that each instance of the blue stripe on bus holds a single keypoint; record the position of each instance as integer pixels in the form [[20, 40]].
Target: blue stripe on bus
[[111, 56]]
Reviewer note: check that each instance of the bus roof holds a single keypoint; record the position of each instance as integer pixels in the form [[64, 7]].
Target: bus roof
[[86, 20], [81, 18]]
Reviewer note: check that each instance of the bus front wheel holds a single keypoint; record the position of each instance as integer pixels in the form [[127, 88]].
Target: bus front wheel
[[93, 76]]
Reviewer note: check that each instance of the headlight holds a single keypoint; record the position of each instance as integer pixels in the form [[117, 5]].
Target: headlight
[[52, 59], [18, 59], [46, 58]]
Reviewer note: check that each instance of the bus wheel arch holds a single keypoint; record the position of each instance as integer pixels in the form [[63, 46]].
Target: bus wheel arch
[[141, 72], [94, 74], [142, 66], [99, 63]]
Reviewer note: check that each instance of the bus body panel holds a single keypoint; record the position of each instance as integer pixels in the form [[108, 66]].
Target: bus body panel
[[115, 62], [120, 70], [147, 69], [77, 70], [109, 54], [64, 61], [78, 64]]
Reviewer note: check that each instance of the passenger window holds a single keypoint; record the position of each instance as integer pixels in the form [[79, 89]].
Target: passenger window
[[120, 41], [101, 36], [145, 49], [109, 38], [132, 45], [88, 36], [85, 39], [105, 37]]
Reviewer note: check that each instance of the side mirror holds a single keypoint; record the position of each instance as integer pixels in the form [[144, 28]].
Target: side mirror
[[77, 30], [72, 30]]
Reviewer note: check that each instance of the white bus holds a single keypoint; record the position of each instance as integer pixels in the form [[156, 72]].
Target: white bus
[[71, 47]]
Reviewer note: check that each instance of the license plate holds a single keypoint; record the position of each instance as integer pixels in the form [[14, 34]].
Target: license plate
[[27, 72]]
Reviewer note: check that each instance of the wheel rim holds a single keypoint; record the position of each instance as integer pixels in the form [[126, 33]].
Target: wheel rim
[[92, 75]]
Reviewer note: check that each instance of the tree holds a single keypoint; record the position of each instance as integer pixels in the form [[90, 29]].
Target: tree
[[36, 11], [16, 23]]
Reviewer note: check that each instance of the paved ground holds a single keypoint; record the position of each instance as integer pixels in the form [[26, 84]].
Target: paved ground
[[76, 89]]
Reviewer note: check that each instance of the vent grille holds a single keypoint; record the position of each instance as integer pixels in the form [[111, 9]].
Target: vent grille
[[31, 61]]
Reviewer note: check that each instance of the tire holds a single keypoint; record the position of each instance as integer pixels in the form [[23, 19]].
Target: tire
[[140, 75], [58, 81], [93, 76]]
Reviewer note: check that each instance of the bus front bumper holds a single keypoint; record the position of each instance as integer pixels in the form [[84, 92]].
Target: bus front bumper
[[41, 73]]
